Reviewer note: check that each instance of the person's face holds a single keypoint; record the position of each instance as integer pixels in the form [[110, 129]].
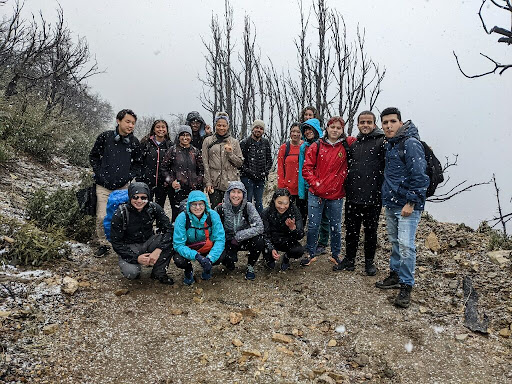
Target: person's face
[[308, 114], [282, 204], [309, 134], [365, 124], [257, 132], [139, 200], [334, 131], [195, 125], [391, 124], [295, 134], [197, 208], [236, 197], [126, 125], [185, 139], [221, 127], [160, 130]]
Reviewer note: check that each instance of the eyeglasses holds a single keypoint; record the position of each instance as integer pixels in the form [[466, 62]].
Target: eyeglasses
[[197, 205], [142, 198]]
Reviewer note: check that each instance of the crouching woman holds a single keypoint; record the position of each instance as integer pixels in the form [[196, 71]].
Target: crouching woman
[[283, 230], [133, 237], [198, 235]]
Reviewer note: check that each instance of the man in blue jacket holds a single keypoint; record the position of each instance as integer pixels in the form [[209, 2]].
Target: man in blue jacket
[[403, 194]]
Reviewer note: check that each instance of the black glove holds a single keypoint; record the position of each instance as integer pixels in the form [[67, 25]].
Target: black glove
[[205, 262]]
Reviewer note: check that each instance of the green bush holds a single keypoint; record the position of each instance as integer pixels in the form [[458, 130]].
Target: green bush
[[77, 147], [60, 209], [5, 153], [34, 139], [498, 240]]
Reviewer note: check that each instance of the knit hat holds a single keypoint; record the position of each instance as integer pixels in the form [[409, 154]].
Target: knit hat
[[138, 187], [258, 123], [184, 129]]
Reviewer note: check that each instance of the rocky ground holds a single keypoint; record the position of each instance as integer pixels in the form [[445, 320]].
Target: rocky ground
[[78, 321]]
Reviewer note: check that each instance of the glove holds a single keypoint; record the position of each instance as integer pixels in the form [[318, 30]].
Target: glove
[[234, 241], [205, 263]]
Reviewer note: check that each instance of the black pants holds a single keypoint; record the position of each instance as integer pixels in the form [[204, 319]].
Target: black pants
[[293, 249], [186, 264], [355, 214], [176, 198], [302, 204], [216, 197], [255, 245], [160, 194]]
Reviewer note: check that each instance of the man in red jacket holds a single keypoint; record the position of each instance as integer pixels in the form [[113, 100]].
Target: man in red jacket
[[325, 170]]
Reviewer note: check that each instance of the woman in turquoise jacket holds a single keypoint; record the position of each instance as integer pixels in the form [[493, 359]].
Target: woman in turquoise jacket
[[198, 235]]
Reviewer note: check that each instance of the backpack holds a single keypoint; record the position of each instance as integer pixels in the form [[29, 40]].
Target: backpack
[[87, 200], [434, 168], [125, 213], [115, 199]]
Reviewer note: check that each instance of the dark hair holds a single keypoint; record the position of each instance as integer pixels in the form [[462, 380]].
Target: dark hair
[[367, 113], [308, 108], [123, 112], [295, 124], [391, 111], [152, 130]]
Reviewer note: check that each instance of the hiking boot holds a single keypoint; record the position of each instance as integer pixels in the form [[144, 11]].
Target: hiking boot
[[307, 260], [403, 299], [206, 275], [320, 250], [229, 264], [345, 264], [102, 251], [164, 279], [389, 282], [285, 264], [270, 264], [249, 274], [369, 267], [189, 278]]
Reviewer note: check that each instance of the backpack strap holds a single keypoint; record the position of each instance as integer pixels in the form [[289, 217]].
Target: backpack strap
[[125, 214], [286, 153]]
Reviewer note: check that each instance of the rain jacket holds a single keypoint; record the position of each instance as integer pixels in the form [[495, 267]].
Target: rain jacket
[[184, 165], [288, 168], [195, 233], [199, 136], [315, 123], [257, 158], [407, 182], [221, 167], [366, 169], [234, 220], [152, 159], [276, 230]]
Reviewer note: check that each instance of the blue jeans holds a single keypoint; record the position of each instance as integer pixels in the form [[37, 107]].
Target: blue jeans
[[254, 189], [401, 235], [333, 209]]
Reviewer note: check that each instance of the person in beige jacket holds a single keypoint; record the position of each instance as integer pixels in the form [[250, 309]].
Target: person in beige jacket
[[222, 157]]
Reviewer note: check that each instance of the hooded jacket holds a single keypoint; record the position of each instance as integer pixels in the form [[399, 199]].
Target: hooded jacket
[[257, 158], [221, 167], [315, 124], [152, 159], [288, 168], [195, 233], [234, 221], [407, 182], [139, 226], [366, 169], [197, 137], [114, 162], [276, 230]]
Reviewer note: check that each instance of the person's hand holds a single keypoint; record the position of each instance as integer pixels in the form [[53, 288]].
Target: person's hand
[[275, 254], [208, 129], [228, 147], [176, 184], [290, 223], [153, 256], [143, 259], [205, 263], [407, 210], [209, 190]]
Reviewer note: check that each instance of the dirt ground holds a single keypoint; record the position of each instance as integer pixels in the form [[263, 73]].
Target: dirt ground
[[305, 325]]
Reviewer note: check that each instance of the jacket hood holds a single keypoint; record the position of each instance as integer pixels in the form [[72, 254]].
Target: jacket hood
[[194, 115], [377, 132], [197, 196], [406, 130], [235, 185], [138, 187], [313, 123]]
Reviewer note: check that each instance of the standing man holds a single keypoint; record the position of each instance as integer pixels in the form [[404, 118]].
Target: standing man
[[257, 163], [200, 129], [363, 192], [116, 158], [403, 195]]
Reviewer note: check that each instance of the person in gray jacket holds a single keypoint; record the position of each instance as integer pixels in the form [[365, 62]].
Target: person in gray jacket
[[243, 227]]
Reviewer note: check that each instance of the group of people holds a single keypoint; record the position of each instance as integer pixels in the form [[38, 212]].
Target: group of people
[[215, 186]]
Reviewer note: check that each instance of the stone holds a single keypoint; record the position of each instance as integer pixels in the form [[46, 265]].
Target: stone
[[461, 336], [285, 351], [281, 338], [423, 309], [492, 275], [453, 243], [422, 269], [84, 284], [265, 356], [339, 377], [198, 291], [237, 342], [235, 317], [69, 285], [251, 352], [176, 311], [450, 274], [361, 360], [8, 239], [332, 343], [5, 313], [197, 300], [389, 373], [325, 378], [499, 257], [505, 332], [249, 312], [319, 370], [50, 328], [432, 242], [121, 292]]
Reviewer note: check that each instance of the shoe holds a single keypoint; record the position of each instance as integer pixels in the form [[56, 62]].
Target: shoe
[[230, 265], [189, 278], [369, 267], [102, 251], [389, 282], [285, 264], [307, 260], [345, 264], [320, 250], [403, 299], [249, 274], [165, 279], [206, 275], [270, 264]]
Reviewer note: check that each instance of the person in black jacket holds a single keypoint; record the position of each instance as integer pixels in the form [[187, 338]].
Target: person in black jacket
[[257, 163], [154, 146], [133, 238], [363, 192], [116, 160], [200, 129], [282, 230]]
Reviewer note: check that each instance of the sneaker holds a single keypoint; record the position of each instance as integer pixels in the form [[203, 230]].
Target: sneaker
[[307, 260], [189, 278], [403, 299], [345, 264], [369, 267], [270, 264], [320, 250], [285, 264], [206, 276], [249, 274], [166, 279], [102, 251], [389, 282]]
